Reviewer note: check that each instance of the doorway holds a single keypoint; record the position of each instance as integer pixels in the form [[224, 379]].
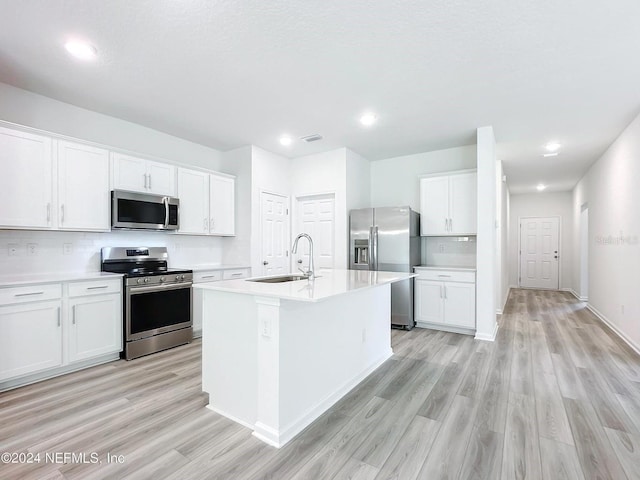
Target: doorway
[[539, 252], [274, 223], [315, 215]]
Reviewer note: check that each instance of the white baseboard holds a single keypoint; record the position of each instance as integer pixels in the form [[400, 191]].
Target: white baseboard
[[488, 338], [575, 294], [446, 328], [614, 328]]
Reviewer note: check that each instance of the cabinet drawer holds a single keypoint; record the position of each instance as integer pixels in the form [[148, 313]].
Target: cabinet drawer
[[233, 274], [210, 276], [95, 287], [446, 275], [31, 293]]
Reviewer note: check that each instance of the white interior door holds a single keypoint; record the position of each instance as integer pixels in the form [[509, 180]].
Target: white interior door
[[539, 252], [315, 215], [274, 210]]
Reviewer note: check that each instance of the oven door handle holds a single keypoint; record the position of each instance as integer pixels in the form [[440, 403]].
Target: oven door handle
[[157, 288]]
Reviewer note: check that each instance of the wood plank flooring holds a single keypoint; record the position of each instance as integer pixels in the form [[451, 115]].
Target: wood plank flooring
[[556, 396]]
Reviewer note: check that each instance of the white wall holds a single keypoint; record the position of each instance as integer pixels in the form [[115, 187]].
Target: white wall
[[358, 178], [324, 173], [395, 181], [544, 205], [486, 264], [610, 188], [30, 110], [502, 238]]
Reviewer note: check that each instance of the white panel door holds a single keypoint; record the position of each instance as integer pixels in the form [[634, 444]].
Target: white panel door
[[83, 187], [539, 252], [434, 205], [315, 216], [31, 338], [193, 191], [161, 178], [429, 301], [129, 173], [274, 214], [460, 304], [96, 326], [222, 205], [463, 212], [26, 180]]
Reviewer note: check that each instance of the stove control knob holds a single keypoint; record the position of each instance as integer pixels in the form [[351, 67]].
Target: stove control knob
[[146, 280], [182, 277], [138, 281], [177, 278], [162, 279]]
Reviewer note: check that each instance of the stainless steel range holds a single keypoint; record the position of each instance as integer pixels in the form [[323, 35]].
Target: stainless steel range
[[158, 300]]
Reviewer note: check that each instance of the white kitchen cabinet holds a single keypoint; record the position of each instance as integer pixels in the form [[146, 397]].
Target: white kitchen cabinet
[[26, 182], [193, 192], [140, 175], [83, 187], [448, 204], [446, 300], [30, 338], [222, 205], [95, 326]]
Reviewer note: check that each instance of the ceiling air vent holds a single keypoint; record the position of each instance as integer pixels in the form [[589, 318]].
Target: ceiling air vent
[[311, 138]]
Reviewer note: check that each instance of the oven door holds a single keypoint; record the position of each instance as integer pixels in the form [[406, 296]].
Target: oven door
[[157, 309]]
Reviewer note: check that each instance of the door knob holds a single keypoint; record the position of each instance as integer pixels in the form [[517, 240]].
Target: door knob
[[265, 262], [299, 260]]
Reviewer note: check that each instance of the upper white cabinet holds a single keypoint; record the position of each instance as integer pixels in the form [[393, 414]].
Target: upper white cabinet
[[207, 203], [448, 204], [26, 180], [222, 205], [83, 187], [140, 175]]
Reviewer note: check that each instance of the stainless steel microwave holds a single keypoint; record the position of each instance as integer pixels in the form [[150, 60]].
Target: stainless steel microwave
[[130, 210]]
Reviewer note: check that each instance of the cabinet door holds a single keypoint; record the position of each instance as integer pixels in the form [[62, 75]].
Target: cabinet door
[[26, 180], [434, 205], [95, 326], [222, 205], [30, 338], [462, 200], [429, 301], [162, 178], [83, 187], [129, 173], [193, 191], [460, 304]]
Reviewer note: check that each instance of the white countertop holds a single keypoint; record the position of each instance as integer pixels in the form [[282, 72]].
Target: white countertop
[[450, 269], [209, 266], [329, 283], [53, 277]]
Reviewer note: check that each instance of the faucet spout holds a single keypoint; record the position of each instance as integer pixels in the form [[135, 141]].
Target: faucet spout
[[310, 273]]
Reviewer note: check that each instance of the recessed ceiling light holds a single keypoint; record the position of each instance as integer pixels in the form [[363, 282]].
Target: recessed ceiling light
[[368, 119], [554, 154], [81, 50], [285, 140], [541, 187], [552, 146]]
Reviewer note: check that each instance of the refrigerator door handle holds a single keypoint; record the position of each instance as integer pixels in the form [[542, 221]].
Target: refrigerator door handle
[[374, 251], [370, 245]]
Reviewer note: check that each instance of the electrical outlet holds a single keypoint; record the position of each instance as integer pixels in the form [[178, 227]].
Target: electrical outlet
[[266, 327], [67, 248], [441, 247], [12, 249], [32, 249]]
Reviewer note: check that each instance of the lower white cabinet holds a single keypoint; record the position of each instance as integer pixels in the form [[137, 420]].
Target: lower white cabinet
[[446, 300], [53, 328], [30, 338], [95, 326]]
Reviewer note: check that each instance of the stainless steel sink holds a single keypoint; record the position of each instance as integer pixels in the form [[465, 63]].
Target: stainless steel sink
[[278, 279]]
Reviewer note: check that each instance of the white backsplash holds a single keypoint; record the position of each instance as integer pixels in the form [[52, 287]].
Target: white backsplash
[[51, 251], [449, 251]]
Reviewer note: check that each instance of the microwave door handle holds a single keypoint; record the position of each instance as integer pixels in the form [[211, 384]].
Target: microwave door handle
[[165, 200]]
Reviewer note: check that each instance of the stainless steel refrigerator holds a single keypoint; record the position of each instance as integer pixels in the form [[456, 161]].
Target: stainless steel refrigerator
[[387, 239]]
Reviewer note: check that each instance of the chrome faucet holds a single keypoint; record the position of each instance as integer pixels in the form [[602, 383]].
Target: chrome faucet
[[310, 270]]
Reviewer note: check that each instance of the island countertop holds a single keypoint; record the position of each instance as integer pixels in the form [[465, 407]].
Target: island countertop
[[328, 283]]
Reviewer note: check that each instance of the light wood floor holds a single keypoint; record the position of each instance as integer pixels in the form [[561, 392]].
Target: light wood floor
[[556, 396]]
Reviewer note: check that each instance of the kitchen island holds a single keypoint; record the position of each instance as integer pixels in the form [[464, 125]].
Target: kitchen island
[[275, 356]]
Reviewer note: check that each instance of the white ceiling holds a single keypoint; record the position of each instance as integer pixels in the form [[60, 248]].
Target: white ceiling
[[227, 73]]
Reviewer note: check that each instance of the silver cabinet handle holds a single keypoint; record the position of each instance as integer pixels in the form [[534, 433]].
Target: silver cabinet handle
[[211, 224], [27, 294], [445, 292], [451, 224], [440, 291], [98, 288], [73, 315], [236, 274], [446, 225], [48, 212], [59, 316], [62, 213], [149, 181], [145, 179], [208, 276], [447, 276]]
